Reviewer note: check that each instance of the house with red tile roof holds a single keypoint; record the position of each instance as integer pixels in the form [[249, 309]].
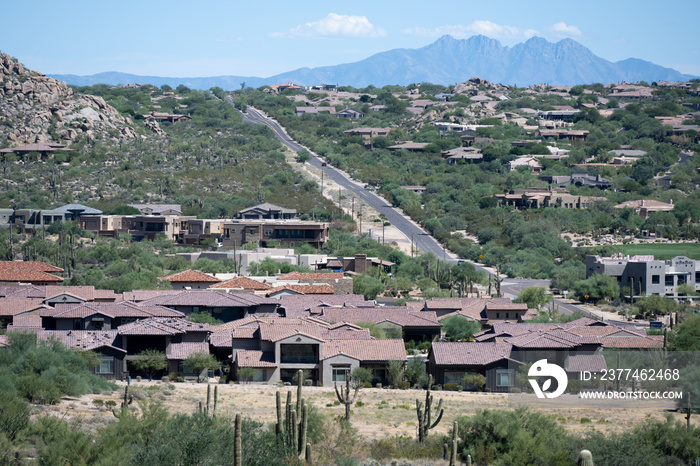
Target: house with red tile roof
[[242, 284], [222, 306], [190, 280], [176, 337], [101, 316], [36, 273], [277, 347]]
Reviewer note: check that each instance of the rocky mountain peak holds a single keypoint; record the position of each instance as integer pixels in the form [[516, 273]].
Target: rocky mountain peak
[[35, 108]]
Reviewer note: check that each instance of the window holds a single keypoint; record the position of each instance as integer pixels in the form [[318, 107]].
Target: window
[[106, 365], [252, 231], [504, 378], [507, 315], [669, 280], [77, 324], [299, 353], [340, 373], [681, 279], [655, 279], [498, 315], [268, 232]]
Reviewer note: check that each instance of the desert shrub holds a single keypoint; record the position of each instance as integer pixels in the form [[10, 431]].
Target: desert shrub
[[14, 415], [406, 447], [452, 387], [403, 385]]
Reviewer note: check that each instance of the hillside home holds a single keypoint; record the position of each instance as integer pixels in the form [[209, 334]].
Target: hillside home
[[350, 113]]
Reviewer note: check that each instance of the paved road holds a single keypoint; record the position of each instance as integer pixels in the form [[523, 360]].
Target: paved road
[[421, 239]]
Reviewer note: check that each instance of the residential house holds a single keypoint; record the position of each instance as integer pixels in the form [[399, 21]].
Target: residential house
[[107, 344], [314, 110], [171, 117], [221, 305], [176, 337], [578, 179], [190, 280], [37, 273], [278, 348], [482, 310], [462, 154], [100, 316], [358, 264], [645, 207], [531, 162], [643, 275], [350, 113], [267, 211], [368, 133], [287, 233], [410, 146], [158, 209], [413, 325]]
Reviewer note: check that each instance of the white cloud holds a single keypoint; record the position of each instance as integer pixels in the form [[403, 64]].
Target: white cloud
[[565, 30], [487, 28], [334, 25]]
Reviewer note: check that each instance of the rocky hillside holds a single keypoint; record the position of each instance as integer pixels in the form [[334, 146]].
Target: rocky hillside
[[35, 108]]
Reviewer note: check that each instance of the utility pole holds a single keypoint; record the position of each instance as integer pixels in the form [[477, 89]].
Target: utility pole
[[339, 207], [352, 211], [382, 232]]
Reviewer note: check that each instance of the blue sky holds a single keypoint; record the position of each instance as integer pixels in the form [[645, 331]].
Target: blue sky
[[213, 38]]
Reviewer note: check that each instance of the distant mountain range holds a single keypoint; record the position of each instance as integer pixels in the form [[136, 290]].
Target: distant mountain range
[[446, 61]]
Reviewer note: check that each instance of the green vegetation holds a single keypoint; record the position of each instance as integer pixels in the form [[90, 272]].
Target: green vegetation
[[43, 373]]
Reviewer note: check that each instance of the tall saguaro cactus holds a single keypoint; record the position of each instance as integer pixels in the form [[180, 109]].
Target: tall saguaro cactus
[[423, 412], [237, 444], [453, 451], [294, 426], [345, 397]]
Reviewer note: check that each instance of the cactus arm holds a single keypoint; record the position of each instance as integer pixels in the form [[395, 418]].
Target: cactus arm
[[440, 410]]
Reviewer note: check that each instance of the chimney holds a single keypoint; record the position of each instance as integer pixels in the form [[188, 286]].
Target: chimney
[[360, 263]]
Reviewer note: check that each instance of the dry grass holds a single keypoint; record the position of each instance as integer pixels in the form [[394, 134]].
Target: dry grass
[[385, 413]]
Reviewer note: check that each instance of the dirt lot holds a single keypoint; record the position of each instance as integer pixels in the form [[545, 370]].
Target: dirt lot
[[385, 412]]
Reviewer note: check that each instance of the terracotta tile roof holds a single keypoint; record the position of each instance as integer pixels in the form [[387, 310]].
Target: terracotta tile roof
[[367, 350], [312, 276], [206, 298], [276, 332], [116, 310], [304, 303], [549, 339], [590, 363], [652, 341], [255, 359], [190, 276], [86, 293], [25, 322], [469, 353], [162, 326], [243, 283], [13, 306], [303, 289], [398, 315], [143, 295], [30, 266], [224, 339], [27, 276], [346, 333], [82, 339], [180, 351]]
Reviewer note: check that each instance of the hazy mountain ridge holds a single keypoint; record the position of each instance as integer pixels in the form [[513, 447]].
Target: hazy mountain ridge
[[446, 61]]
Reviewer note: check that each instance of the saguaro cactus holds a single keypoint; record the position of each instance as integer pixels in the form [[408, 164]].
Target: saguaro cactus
[[237, 444], [295, 420], [585, 458], [453, 452], [423, 412], [345, 397], [125, 404]]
